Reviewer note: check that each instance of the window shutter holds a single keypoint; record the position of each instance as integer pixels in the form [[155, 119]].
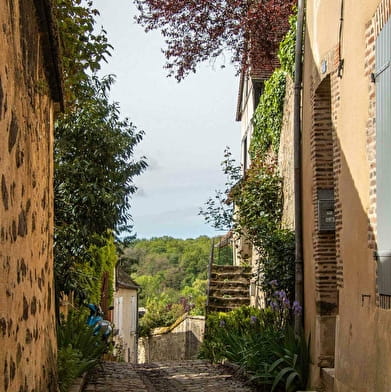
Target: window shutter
[[383, 157]]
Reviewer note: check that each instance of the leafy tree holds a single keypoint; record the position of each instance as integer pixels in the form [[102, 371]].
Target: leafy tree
[[180, 261], [218, 210], [195, 31], [259, 201], [94, 171], [82, 48]]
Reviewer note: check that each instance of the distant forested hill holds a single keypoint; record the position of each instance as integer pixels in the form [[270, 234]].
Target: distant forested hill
[[180, 262], [172, 274]]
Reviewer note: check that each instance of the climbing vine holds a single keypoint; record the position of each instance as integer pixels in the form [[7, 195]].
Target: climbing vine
[[267, 120], [286, 52]]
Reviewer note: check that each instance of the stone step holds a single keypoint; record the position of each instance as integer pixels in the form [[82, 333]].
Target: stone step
[[221, 276], [231, 290], [222, 293], [231, 268], [229, 284]]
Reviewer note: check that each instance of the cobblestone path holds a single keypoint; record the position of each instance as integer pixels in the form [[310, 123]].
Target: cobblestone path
[[184, 376]]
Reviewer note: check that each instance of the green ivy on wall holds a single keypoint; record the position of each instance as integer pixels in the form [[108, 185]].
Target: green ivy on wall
[[286, 52], [104, 259], [267, 120]]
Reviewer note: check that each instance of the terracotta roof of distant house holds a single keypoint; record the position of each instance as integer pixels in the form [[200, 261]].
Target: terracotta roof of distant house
[[124, 281]]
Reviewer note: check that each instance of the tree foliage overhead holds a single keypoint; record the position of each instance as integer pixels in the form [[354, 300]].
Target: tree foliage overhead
[[94, 156], [94, 171], [198, 30], [82, 47], [94, 162]]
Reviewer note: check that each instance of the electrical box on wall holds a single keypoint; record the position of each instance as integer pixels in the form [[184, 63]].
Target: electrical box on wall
[[326, 215]]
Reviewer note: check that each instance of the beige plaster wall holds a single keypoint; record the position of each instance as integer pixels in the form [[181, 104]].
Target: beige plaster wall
[[285, 157], [27, 323], [362, 349], [125, 319]]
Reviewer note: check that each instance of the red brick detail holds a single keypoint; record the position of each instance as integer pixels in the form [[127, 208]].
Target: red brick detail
[[335, 104], [322, 158]]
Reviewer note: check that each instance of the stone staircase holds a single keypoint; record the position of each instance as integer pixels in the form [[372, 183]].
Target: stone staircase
[[228, 287]]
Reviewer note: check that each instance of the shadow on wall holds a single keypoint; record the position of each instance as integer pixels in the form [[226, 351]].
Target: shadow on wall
[[359, 329]]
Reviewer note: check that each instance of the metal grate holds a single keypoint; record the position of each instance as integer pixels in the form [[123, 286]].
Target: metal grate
[[385, 301]]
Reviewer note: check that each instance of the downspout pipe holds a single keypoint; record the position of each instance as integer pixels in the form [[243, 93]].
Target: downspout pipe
[[299, 265]]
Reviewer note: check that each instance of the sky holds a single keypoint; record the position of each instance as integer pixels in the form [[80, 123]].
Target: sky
[[187, 125]]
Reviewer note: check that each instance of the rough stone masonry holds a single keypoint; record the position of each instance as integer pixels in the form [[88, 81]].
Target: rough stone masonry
[[28, 92]]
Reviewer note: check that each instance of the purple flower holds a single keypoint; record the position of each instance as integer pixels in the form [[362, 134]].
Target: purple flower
[[281, 294], [253, 320], [286, 302], [274, 304], [222, 323], [297, 309]]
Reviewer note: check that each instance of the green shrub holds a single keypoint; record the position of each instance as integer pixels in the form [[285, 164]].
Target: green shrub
[[78, 349], [290, 369], [256, 340], [161, 312], [228, 335]]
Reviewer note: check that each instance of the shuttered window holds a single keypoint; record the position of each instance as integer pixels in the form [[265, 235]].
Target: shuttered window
[[383, 160]]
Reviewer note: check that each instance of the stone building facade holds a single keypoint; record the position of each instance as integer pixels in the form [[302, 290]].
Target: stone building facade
[[30, 90], [346, 265]]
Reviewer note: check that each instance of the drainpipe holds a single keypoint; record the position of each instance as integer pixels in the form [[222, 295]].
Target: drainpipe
[[299, 270]]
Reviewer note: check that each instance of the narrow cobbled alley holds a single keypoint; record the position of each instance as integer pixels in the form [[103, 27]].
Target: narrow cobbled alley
[[184, 376]]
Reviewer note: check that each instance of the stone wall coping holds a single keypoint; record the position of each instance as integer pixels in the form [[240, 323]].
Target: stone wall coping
[[164, 330]]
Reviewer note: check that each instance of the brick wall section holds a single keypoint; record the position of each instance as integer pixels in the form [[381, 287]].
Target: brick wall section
[[373, 29], [337, 164], [322, 157], [27, 322]]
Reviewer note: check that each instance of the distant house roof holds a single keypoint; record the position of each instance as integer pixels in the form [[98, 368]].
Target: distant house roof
[[124, 281]]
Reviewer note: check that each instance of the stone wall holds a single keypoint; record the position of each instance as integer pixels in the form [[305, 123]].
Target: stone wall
[[178, 342], [27, 319]]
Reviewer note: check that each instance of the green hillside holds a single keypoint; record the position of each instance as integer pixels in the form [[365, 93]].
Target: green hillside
[[172, 274]]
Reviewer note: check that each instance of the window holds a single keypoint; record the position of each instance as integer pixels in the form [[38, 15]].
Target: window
[[257, 91]]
